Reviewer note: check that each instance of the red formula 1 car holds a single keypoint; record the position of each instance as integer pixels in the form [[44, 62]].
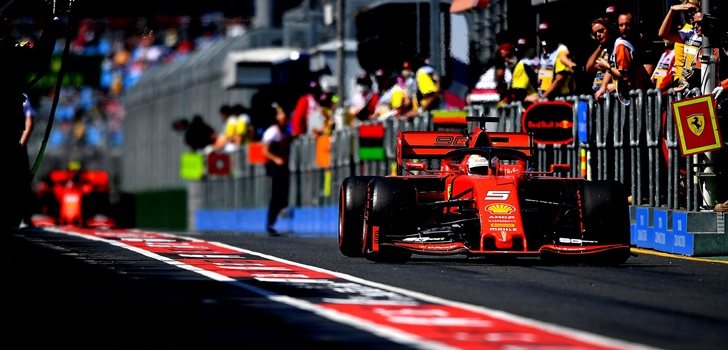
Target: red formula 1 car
[[76, 198], [437, 205]]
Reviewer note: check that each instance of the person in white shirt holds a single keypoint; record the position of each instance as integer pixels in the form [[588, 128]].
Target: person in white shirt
[[277, 140]]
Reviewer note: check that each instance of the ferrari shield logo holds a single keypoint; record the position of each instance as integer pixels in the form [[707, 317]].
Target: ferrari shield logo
[[696, 123]]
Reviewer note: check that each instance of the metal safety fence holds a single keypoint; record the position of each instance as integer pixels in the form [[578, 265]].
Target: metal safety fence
[[631, 140]]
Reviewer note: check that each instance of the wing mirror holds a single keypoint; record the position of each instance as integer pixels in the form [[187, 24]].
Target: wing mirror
[[415, 166]]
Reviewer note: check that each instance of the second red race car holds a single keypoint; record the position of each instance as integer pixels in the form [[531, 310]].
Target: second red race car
[[81, 198], [475, 193]]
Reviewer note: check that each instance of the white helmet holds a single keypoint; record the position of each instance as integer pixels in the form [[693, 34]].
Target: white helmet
[[477, 164]]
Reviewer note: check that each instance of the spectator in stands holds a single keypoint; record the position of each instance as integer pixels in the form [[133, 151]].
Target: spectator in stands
[[428, 86], [643, 41], [147, 50], [410, 107], [664, 74], [492, 86], [663, 79], [326, 101], [241, 127], [307, 110], [384, 82], [224, 112], [555, 74], [602, 33], [227, 139], [525, 77], [624, 69], [684, 29], [393, 101], [364, 100], [320, 121], [409, 82], [276, 141], [688, 44]]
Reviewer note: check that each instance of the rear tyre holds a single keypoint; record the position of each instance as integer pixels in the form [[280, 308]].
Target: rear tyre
[[606, 219], [352, 202]]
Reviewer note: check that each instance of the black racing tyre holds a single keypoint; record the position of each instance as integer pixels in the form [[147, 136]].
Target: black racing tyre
[[352, 202], [606, 218], [392, 202], [390, 206]]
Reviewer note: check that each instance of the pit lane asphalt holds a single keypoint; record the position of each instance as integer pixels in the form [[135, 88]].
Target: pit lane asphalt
[[67, 292], [61, 290]]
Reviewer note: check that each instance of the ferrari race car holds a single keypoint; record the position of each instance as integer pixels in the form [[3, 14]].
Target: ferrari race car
[[78, 198], [438, 205]]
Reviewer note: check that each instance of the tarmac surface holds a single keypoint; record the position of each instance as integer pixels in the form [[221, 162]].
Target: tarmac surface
[[66, 291], [54, 298]]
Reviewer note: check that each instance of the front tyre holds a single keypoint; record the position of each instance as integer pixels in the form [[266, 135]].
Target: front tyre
[[392, 203], [606, 219], [352, 201], [390, 209]]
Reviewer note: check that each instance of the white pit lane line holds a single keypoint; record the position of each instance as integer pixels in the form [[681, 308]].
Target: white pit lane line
[[399, 298]]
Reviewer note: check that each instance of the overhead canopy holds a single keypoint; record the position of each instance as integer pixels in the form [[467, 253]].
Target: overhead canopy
[[254, 67], [458, 6], [271, 55]]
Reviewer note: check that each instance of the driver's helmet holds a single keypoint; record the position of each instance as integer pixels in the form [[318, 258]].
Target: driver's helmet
[[478, 165]]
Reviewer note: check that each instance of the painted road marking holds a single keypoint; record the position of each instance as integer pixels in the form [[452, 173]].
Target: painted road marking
[[407, 317], [718, 260]]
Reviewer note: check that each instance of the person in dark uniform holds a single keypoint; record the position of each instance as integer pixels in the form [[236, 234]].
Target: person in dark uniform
[[277, 141], [19, 65]]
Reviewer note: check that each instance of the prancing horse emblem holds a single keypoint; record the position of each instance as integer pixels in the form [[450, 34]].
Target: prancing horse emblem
[[696, 123]]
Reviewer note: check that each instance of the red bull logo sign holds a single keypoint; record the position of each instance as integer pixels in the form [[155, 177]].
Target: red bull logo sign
[[551, 122]]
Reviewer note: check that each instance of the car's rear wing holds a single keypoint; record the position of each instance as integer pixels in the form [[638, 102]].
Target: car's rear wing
[[516, 140], [98, 179], [428, 144], [424, 145], [435, 144]]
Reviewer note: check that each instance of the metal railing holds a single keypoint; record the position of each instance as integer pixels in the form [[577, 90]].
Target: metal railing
[[632, 142]]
